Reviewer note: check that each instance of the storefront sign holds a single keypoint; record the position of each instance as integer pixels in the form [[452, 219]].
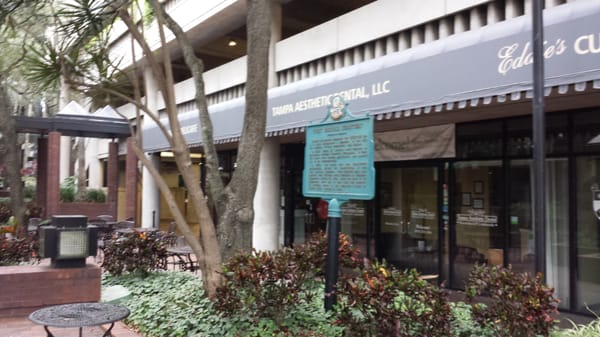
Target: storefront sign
[[338, 162], [480, 220]]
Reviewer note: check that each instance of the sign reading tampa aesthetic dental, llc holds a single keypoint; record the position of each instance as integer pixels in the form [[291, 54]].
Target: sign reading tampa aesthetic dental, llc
[[338, 162]]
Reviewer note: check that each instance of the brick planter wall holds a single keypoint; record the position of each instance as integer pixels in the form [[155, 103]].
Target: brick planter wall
[[28, 288]]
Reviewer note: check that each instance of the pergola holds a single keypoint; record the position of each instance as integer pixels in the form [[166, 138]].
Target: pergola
[[75, 121]]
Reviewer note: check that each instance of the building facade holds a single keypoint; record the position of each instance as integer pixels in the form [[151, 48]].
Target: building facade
[[449, 85]]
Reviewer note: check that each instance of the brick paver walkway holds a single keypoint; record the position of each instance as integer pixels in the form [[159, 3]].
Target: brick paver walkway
[[23, 327]]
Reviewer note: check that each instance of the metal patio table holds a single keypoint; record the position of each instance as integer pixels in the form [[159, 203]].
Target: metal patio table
[[78, 315]]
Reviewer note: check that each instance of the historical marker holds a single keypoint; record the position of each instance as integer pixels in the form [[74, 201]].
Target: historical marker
[[338, 166], [338, 158]]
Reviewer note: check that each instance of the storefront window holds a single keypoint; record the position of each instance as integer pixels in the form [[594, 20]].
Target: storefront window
[[479, 140], [409, 218], [521, 249], [587, 136], [354, 224], [520, 137], [557, 229], [588, 233], [478, 232]]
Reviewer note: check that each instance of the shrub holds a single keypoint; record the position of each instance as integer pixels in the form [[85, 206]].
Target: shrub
[[134, 253], [5, 213], [580, 330], [67, 194], [274, 293], [67, 189], [383, 301], [521, 304], [95, 195], [17, 251], [29, 192], [33, 210], [463, 324]]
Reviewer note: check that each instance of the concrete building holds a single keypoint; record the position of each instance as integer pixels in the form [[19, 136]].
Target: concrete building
[[449, 84]]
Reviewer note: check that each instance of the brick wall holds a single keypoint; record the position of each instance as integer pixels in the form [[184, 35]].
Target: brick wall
[[28, 288], [89, 209]]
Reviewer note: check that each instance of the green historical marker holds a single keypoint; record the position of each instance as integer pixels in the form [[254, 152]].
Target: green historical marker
[[338, 166], [338, 158]]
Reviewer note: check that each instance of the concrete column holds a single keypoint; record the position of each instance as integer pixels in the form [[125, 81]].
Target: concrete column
[[65, 141], [266, 200], [131, 182], [150, 195], [265, 232], [65, 158], [112, 176], [275, 37]]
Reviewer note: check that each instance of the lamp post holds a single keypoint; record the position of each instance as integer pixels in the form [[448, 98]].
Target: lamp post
[[539, 127]]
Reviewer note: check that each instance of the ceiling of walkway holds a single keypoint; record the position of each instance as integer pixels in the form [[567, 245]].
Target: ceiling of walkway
[[297, 16]]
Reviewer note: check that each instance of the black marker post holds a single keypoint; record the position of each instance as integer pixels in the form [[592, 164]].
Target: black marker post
[[333, 244]]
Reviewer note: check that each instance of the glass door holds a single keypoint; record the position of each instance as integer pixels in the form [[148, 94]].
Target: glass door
[[478, 232], [409, 220]]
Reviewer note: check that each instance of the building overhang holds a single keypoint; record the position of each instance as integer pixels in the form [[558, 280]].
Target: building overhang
[[75, 126], [465, 71]]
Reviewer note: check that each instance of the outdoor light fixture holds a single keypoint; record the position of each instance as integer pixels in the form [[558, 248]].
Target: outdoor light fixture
[[231, 43], [68, 241]]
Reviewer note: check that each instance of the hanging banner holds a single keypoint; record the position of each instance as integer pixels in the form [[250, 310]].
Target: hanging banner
[[423, 143]]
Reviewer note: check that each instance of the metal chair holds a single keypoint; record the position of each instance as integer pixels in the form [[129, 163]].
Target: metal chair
[[33, 224]]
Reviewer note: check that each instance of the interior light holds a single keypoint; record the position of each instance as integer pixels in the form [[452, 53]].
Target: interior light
[[169, 154], [232, 43]]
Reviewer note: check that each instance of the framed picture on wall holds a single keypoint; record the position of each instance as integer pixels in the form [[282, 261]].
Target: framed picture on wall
[[387, 194], [465, 199], [478, 187], [478, 203]]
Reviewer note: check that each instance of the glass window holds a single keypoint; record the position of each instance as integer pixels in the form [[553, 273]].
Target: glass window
[[409, 217], [520, 136], [587, 132], [479, 140], [478, 231], [354, 224], [588, 233], [521, 250], [557, 228]]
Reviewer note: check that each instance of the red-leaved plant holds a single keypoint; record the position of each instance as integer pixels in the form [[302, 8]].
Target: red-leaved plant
[[522, 305]]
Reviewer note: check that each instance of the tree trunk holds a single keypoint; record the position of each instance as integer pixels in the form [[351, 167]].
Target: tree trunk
[[11, 155], [237, 214]]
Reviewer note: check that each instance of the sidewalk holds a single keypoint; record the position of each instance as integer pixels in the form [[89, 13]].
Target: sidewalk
[[23, 327]]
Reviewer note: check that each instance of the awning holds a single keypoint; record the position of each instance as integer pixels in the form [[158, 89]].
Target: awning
[[73, 120], [466, 69]]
